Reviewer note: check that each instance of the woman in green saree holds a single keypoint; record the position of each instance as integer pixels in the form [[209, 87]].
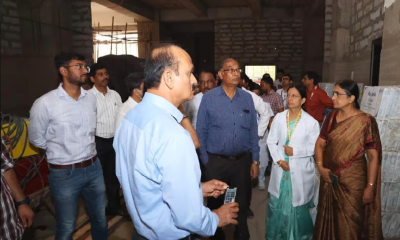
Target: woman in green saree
[[349, 205]]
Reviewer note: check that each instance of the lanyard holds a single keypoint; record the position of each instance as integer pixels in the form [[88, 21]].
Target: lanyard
[[312, 94], [284, 98], [288, 124]]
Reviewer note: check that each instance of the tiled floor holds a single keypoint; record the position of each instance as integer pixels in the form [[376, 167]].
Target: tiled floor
[[121, 229]]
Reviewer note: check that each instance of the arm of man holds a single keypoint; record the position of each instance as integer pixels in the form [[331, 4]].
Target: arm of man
[[202, 130], [181, 187], [262, 109], [25, 213], [326, 100], [255, 147], [186, 124], [38, 123]]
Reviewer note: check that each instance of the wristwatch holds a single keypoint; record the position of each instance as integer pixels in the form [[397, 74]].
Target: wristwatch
[[25, 201], [184, 116], [256, 162]]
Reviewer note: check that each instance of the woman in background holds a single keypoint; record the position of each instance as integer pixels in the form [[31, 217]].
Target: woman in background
[[291, 142], [349, 206]]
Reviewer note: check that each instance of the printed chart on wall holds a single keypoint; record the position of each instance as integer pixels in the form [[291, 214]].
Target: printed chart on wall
[[255, 72]]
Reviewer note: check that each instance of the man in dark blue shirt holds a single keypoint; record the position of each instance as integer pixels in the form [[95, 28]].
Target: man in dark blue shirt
[[227, 130]]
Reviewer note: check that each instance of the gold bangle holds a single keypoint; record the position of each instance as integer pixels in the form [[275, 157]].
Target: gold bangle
[[319, 163]]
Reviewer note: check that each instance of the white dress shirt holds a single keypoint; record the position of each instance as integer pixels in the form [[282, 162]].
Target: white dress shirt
[[264, 110], [107, 107], [123, 110], [284, 97], [277, 83], [192, 107], [63, 126]]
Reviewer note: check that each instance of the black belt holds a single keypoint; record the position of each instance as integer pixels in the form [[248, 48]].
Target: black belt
[[232, 158], [82, 164]]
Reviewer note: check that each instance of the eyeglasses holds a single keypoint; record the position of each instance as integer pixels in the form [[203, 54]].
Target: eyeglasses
[[80, 67], [231, 70], [292, 96], [336, 93]]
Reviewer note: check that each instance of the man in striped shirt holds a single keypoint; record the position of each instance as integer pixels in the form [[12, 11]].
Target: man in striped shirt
[[12, 228], [108, 103]]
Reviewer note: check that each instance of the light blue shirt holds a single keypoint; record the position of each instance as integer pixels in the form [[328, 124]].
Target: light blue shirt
[[63, 126], [157, 166]]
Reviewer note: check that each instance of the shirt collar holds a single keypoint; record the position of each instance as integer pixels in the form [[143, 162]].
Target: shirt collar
[[164, 104], [62, 93], [220, 90], [95, 91], [271, 92], [130, 99]]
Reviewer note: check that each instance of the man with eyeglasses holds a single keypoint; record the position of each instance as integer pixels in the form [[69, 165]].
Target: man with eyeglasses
[[108, 103], [317, 99], [287, 81], [228, 133], [206, 83], [63, 123]]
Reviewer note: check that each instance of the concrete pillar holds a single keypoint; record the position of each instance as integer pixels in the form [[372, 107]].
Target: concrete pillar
[[148, 35], [390, 61]]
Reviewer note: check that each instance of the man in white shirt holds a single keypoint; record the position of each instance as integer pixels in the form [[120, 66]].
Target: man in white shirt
[[206, 83], [287, 81], [108, 103], [135, 86], [278, 81], [63, 123]]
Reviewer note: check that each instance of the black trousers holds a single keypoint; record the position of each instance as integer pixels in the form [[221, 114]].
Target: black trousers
[[235, 174], [106, 154]]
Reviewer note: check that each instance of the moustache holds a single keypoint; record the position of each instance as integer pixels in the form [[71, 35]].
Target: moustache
[[106, 79]]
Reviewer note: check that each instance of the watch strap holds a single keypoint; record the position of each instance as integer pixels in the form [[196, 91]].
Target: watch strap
[[25, 201]]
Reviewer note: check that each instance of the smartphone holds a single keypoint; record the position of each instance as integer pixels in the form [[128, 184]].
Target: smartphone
[[230, 195], [334, 178]]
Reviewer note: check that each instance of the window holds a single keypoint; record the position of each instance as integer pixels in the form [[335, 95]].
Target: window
[[102, 44], [255, 72]]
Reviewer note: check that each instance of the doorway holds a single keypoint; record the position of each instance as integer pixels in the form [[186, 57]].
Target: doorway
[[375, 61]]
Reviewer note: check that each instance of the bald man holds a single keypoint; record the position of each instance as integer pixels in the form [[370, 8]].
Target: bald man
[[157, 163], [228, 133]]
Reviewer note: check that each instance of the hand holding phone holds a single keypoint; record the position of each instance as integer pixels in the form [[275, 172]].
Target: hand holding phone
[[230, 195]]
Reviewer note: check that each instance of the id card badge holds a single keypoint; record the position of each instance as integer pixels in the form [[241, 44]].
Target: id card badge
[[230, 195]]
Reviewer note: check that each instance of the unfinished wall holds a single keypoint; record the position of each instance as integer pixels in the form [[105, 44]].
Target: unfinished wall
[[348, 37], [390, 56], [10, 28], [261, 41], [32, 34]]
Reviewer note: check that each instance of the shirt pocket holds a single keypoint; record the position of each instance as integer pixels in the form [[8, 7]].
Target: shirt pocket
[[245, 119]]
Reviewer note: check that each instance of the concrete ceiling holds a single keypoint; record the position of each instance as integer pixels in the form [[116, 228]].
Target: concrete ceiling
[[144, 10], [103, 15], [178, 4]]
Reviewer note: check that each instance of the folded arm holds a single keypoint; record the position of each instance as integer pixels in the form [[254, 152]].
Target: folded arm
[[38, 123]]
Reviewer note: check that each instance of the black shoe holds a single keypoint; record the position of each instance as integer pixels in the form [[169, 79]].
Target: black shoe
[[250, 213], [119, 212]]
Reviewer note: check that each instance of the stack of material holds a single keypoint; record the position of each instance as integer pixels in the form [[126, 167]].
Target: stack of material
[[383, 104]]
